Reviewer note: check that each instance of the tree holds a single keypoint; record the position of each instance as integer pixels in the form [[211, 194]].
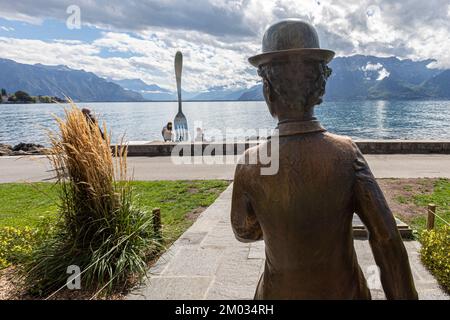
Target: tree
[[23, 96], [3, 92], [45, 99]]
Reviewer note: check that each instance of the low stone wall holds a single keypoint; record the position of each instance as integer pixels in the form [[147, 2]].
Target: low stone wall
[[207, 148], [160, 149], [403, 147]]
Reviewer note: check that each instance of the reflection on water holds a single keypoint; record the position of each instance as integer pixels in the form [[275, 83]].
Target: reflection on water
[[380, 115], [144, 121]]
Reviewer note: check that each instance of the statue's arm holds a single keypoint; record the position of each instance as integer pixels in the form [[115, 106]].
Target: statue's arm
[[243, 218], [386, 243]]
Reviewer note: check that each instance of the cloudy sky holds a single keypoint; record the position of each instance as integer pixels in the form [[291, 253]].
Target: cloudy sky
[[138, 39]]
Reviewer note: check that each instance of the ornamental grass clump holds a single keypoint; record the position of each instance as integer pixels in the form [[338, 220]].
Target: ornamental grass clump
[[99, 228]]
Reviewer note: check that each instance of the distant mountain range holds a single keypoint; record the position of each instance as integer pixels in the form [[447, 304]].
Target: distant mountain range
[[371, 78], [147, 91], [155, 93], [368, 77], [356, 77], [59, 81]]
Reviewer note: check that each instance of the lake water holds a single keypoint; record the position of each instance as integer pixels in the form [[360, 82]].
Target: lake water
[[144, 120]]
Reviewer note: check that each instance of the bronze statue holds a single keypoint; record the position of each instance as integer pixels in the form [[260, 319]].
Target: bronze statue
[[304, 211]]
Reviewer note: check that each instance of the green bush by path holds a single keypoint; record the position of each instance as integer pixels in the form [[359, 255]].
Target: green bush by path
[[435, 254], [16, 244]]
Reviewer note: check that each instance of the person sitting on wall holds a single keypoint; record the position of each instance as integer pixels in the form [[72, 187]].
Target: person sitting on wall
[[90, 118], [167, 132], [199, 137]]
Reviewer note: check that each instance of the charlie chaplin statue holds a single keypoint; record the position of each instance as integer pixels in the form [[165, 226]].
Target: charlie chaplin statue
[[304, 212]]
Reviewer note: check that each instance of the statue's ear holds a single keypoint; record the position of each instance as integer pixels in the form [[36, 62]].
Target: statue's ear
[[269, 96], [267, 90]]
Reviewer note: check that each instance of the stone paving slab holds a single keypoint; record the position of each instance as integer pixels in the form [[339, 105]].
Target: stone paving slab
[[360, 231], [207, 262]]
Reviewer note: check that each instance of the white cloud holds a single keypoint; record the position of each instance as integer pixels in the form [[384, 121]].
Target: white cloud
[[7, 29], [205, 64], [218, 17], [217, 36]]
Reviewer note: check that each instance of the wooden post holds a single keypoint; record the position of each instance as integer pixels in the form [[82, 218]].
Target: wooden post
[[430, 219], [157, 222]]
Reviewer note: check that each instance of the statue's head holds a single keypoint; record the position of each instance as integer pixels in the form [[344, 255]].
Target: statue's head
[[293, 68]]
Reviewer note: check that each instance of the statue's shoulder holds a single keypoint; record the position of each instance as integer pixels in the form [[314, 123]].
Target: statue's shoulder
[[249, 161], [247, 158], [343, 143], [255, 150]]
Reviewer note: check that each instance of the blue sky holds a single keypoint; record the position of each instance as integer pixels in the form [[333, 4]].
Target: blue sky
[[50, 29], [138, 39]]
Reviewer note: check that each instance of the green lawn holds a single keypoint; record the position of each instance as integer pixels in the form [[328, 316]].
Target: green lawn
[[27, 204], [441, 198]]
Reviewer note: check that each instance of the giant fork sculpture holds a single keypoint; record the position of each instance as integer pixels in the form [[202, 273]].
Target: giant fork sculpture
[[180, 122]]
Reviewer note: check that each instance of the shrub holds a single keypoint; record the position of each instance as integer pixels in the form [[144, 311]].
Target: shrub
[[435, 254], [16, 244], [99, 230]]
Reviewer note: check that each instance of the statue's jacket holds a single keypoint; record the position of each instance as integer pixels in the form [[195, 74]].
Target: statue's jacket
[[304, 214]]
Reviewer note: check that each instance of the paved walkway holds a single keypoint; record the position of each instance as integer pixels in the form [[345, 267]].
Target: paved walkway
[[206, 262], [37, 168]]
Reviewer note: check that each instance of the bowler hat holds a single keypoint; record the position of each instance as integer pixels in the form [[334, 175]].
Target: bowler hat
[[291, 38]]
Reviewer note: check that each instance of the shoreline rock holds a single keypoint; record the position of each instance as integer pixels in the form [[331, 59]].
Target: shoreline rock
[[22, 149]]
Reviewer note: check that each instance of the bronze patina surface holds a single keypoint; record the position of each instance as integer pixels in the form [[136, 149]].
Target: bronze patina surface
[[304, 211]]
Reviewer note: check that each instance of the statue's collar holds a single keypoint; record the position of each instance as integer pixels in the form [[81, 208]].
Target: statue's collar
[[290, 128]]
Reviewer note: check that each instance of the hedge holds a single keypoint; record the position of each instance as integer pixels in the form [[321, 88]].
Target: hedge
[[435, 254]]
